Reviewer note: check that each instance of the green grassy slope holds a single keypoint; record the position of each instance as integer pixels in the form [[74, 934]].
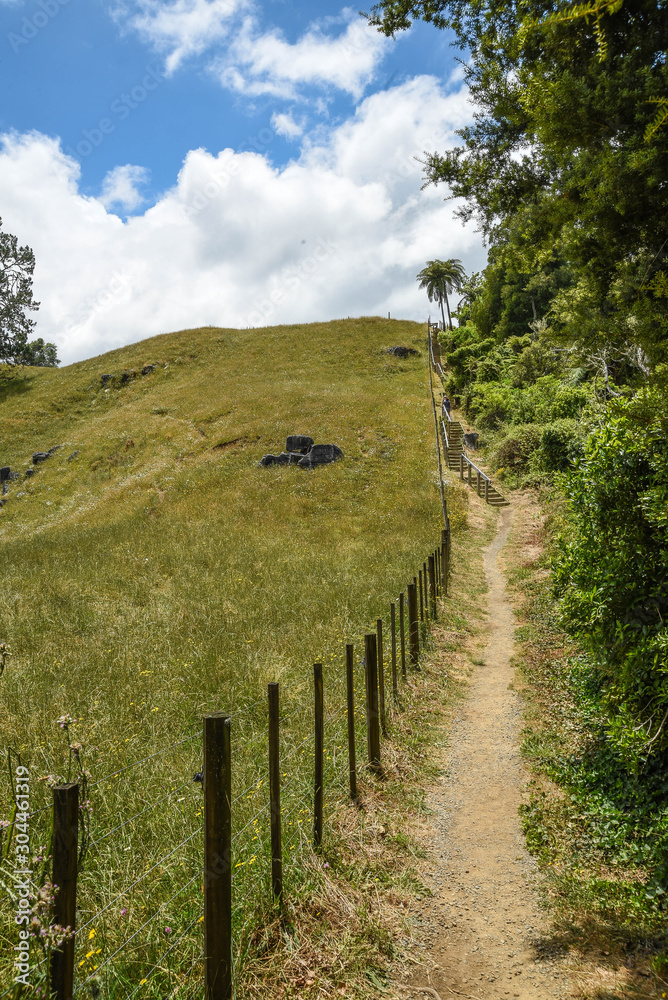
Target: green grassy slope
[[161, 573]]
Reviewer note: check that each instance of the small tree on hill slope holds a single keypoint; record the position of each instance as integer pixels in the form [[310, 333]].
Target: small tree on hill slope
[[16, 299]]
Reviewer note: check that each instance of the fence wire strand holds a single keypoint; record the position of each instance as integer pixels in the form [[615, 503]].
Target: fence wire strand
[[251, 820], [295, 822], [139, 929], [164, 955], [137, 881], [136, 763], [137, 815]]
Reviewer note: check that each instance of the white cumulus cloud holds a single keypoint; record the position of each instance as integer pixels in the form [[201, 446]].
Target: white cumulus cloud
[[179, 29], [340, 231], [265, 63], [341, 52], [121, 187], [284, 124]]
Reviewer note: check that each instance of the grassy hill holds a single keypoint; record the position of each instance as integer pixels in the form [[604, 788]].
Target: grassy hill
[[160, 573]]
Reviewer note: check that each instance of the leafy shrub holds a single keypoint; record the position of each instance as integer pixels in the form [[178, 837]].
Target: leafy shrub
[[464, 359], [489, 404], [611, 570], [515, 449], [569, 401], [560, 445], [535, 361], [489, 370]]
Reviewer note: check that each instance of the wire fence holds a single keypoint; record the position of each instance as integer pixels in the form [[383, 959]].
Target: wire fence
[[148, 937], [123, 944]]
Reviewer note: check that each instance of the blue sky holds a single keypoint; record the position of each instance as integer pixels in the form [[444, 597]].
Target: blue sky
[[113, 121]]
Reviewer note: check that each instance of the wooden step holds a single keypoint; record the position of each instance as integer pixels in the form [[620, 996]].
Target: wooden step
[[454, 451]]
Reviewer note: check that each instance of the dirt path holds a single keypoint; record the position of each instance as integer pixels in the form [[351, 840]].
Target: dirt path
[[483, 928]]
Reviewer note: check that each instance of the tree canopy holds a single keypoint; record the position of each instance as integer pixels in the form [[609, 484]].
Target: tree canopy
[[440, 278], [565, 162], [17, 265]]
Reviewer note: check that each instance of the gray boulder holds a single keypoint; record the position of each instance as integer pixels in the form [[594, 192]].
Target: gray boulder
[[40, 456], [285, 458], [402, 352], [147, 369], [53, 450], [106, 378], [299, 442], [14, 475], [321, 454], [73, 455], [471, 440], [30, 472], [5, 472]]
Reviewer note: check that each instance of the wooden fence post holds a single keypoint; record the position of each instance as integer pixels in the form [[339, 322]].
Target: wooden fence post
[[275, 797], [319, 755], [426, 590], [64, 878], [461, 467], [371, 677], [487, 491], [381, 675], [444, 561], [352, 763], [421, 597], [413, 625], [432, 585], [402, 634], [393, 627], [217, 857]]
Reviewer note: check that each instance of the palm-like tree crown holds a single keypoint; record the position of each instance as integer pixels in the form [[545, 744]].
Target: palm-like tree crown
[[441, 277]]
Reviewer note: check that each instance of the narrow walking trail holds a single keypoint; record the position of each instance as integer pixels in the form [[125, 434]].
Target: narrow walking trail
[[484, 935]]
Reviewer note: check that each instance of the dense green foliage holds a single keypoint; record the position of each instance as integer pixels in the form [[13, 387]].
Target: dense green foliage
[[612, 571], [562, 165], [603, 844], [526, 394]]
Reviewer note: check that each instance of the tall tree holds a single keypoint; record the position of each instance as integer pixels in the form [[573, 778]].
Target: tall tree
[[17, 265], [566, 158], [441, 278]]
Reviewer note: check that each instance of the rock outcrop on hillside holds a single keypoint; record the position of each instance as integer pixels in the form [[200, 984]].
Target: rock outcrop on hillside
[[302, 451]]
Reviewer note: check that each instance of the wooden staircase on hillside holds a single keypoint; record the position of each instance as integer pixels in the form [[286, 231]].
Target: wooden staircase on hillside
[[457, 460], [453, 440]]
